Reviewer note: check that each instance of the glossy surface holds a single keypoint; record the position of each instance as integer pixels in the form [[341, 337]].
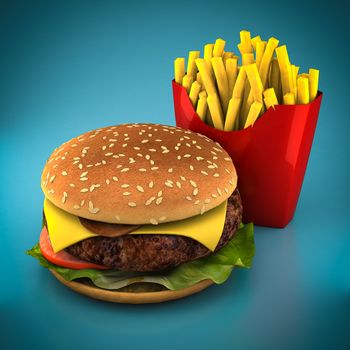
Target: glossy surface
[[69, 66], [270, 157]]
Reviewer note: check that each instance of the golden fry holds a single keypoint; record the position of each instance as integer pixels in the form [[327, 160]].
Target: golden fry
[[219, 47], [191, 64], [255, 40], [238, 89], [179, 68], [313, 83], [289, 99], [221, 80], [260, 48], [231, 72], [253, 114], [232, 114], [206, 76], [275, 79], [256, 86], [266, 60], [285, 69], [194, 92], [199, 78], [216, 111], [247, 58], [270, 98], [208, 52], [203, 93], [303, 90], [246, 41], [187, 82], [202, 107]]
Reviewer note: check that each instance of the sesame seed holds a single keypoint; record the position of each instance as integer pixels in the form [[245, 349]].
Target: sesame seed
[[183, 178], [204, 172], [219, 191], [177, 148], [215, 157], [104, 162], [80, 166], [111, 145], [74, 145], [228, 171], [214, 195], [197, 201], [139, 154], [71, 185], [124, 145], [167, 184], [76, 206], [193, 183], [83, 179], [83, 190], [63, 158], [115, 178], [170, 170], [199, 158], [140, 188], [104, 148], [131, 160], [153, 221], [207, 201], [97, 164], [178, 184], [147, 156], [191, 167], [150, 200], [142, 169], [52, 178], [137, 148], [157, 140], [108, 154], [187, 144], [89, 165], [187, 155], [202, 209], [217, 175], [152, 150], [178, 157], [144, 141], [166, 151], [92, 187], [75, 162], [82, 202], [226, 190], [83, 174], [151, 184], [154, 168], [132, 204], [124, 170], [117, 217], [188, 198], [126, 193], [162, 218], [160, 193], [107, 181], [199, 147], [151, 162], [195, 192], [94, 210], [211, 166], [159, 200], [125, 186], [118, 166]]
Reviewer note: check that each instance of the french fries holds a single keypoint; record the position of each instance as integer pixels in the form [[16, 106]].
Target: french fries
[[229, 95]]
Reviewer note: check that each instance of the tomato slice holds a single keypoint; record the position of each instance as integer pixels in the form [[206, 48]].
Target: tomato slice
[[63, 258]]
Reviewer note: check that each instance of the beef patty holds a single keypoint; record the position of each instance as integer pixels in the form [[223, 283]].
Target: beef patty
[[154, 252]]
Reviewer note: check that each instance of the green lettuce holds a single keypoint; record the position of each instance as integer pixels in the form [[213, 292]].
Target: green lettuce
[[217, 267]]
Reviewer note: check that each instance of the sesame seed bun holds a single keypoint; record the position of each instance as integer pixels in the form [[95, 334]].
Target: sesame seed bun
[[138, 174]]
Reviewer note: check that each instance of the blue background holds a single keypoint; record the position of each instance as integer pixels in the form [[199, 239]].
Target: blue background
[[69, 66]]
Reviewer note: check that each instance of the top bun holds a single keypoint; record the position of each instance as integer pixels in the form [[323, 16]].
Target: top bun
[[138, 174]]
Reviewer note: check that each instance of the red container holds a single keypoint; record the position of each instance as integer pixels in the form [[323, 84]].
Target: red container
[[270, 157]]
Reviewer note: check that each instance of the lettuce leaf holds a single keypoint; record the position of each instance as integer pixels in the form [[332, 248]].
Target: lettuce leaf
[[217, 267]]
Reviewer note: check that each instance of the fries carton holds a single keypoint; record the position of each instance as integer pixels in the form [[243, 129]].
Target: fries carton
[[270, 157]]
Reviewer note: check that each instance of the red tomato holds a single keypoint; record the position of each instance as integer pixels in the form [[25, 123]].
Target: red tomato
[[63, 258]]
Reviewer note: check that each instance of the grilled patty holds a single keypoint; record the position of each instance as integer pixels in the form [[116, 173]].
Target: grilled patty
[[154, 252]]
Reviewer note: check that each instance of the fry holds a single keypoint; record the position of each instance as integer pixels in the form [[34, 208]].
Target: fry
[[187, 82], [260, 48], [194, 92], [238, 89], [179, 68], [247, 58], [289, 99], [285, 69], [266, 59], [255, 40], [191, 64], [207, 79], [246, 41], [231, 72], [313, 83], [253, 114], [219, 46], [208, 52], [199, 78], [293, 70], [202, 107], [256, 86], [270, 98], [222, 82], [215, 111], [303, 90], [232, 114]]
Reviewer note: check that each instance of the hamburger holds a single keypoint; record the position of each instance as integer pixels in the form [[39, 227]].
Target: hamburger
[[141, 213]]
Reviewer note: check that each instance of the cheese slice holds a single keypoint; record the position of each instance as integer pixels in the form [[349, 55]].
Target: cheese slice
[[65, 229]]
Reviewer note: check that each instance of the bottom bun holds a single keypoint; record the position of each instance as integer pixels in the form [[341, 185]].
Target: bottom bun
[[134, 294]]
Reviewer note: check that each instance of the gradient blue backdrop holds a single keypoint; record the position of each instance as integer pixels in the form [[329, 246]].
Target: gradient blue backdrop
[[70, 66]]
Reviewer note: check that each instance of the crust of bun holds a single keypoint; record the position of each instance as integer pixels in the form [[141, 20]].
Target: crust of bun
[[138, 174]]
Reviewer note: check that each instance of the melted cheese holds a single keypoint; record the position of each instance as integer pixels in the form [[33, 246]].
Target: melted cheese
[[65, 229]]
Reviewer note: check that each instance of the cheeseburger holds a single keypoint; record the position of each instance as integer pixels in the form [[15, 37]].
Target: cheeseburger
[[141, 213]]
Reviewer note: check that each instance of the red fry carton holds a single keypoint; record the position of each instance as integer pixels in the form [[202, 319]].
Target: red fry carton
[[270, 157]]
